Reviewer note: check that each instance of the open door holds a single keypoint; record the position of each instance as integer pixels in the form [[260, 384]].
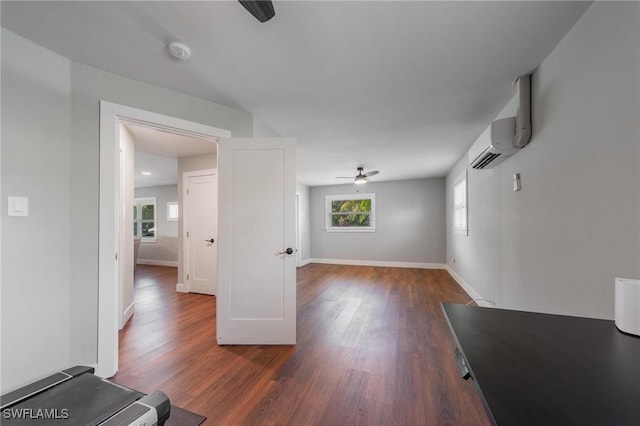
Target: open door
[[256, 301]]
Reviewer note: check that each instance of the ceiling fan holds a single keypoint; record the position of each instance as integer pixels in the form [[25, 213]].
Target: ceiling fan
[[360, 178], [262, 10]]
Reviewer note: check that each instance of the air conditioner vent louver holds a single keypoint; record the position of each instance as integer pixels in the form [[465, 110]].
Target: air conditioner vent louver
[[505, 136], [482, 162], [494, 144]]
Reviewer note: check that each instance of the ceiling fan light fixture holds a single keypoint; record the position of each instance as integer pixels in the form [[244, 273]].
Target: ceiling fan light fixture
[[360, 178]]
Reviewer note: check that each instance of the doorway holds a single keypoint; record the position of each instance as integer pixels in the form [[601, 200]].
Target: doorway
[[111, 116]]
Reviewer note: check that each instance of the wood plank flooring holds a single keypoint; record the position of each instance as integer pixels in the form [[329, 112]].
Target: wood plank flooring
[[373, 349]]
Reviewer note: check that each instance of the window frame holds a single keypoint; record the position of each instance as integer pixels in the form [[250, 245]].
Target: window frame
[[138, 221], [461, 205], [329, 199], [170, 217]]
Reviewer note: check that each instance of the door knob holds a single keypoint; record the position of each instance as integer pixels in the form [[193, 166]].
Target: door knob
[[287, 251], [210, 241]]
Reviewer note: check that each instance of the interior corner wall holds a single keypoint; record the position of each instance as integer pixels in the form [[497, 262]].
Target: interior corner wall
[[36, 260], [410, 224], [165, 248], [557, 245], [261, 130], [304, 226]]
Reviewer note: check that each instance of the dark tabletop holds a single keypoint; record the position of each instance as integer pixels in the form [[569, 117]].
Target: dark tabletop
[[541, 369]]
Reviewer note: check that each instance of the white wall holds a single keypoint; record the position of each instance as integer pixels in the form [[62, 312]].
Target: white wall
[[410, 224], [304, 226], [261, 130], [163, 251], [557, 245], [125, 258], [50, 135], [36, 259]]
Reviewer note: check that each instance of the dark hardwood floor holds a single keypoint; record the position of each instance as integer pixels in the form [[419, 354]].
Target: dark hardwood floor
[[373, 349]]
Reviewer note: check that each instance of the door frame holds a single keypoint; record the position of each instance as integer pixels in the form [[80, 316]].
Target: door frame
[[185, 251], [111, 115], [298, 232]]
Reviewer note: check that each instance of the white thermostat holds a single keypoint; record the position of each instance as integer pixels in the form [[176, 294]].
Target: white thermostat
[[18, 206]]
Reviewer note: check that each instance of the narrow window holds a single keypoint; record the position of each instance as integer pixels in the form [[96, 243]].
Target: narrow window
[[172, 211], [460, 205], [144, 219]]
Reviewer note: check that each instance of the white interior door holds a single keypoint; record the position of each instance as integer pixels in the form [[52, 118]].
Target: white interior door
[[256, 301], [201, 231]]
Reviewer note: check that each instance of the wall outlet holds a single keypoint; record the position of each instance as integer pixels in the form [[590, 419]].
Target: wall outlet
[[516, 182], [18, 206]]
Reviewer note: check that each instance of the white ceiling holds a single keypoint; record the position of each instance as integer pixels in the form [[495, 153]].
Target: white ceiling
[[157, 152], [168, 144], [400, 87], [164, 170]]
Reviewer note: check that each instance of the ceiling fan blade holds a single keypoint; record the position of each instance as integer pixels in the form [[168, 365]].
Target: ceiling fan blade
[[371, 173], [262, 10]]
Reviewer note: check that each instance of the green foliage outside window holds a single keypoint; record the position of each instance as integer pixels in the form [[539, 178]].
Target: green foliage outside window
[[144, 218], [351, 213], [148, 212]]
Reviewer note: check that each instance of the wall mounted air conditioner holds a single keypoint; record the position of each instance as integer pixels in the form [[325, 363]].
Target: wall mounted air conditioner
[[504, 137]]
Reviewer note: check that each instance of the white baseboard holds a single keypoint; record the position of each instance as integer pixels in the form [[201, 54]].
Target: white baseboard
[[128, 313], [154, 262], [473, 294], [182, 288], [305, 262], [417, 265]]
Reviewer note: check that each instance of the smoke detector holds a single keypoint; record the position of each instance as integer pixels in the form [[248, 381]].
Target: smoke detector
[[178, 50]]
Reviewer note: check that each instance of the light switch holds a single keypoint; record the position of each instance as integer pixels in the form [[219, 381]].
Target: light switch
[[18, 206]]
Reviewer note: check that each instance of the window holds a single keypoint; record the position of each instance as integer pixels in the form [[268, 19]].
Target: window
[[460, 205], [172, 211], [144, 218], [351, 213]]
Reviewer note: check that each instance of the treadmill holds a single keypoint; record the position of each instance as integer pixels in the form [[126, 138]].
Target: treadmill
[[77, 397]]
